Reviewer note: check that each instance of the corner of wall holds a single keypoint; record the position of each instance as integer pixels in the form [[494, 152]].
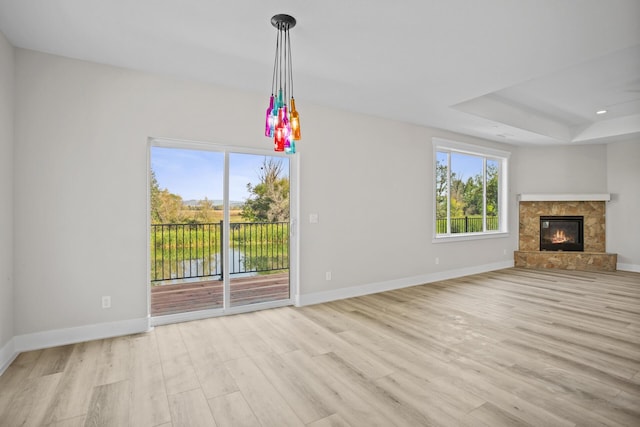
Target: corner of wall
[[623, 176], [8, 354], [7, 107], [633, 268]]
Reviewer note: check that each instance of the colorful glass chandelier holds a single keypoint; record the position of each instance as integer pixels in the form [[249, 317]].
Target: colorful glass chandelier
[[282, 123]]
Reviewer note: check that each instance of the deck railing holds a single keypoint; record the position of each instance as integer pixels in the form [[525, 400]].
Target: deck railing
[[186, 251], [466, 224]]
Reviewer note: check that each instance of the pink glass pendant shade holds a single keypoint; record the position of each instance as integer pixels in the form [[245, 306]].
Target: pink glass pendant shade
[[280, 131], [268, 123]]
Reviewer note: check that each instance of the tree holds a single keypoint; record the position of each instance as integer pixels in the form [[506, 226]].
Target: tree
[[170, 211], [155, 199], [441, 190], [457, 193], [472, 196], [205, 211], [492, 188], [458, 204], [269, 200], [166, 207]]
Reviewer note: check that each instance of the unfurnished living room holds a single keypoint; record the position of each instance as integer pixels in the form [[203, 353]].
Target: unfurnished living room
[[286, 213]]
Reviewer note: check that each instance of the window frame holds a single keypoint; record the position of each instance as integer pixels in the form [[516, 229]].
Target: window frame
[[486, 153]]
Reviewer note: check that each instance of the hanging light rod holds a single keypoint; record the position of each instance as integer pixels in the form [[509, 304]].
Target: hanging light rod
[[282, 121]]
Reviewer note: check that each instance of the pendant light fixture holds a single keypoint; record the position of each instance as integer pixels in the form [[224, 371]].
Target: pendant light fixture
[[282, 123]]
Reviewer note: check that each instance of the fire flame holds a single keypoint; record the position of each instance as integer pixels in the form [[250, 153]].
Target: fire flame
[[560, 237]]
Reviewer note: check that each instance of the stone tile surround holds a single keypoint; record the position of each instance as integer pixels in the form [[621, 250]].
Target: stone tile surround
[[594, 222], [581, 261], [594, 256]]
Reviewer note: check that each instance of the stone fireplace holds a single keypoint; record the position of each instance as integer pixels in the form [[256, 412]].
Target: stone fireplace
[[564, 231]]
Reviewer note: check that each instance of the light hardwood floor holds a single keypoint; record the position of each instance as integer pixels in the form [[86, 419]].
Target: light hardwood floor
[[506, 348]]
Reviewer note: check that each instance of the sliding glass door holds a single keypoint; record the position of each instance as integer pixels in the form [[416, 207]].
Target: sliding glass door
[[220, 227], [259, 234]]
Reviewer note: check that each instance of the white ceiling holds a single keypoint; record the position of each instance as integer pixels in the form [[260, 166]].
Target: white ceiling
[[515, 71]]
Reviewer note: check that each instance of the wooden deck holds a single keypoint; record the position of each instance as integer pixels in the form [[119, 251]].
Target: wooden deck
[[207, 294]]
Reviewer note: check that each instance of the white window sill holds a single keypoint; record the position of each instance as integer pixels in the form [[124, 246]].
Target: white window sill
[[447, 238]]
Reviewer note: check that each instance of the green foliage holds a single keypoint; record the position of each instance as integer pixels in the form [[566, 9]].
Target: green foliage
[[205, 211], [492, 189], [155, 198], [173, 243], [472, 196], [265, 246], [457, 207], [269, 200], [441, 190], [166, 207], [170, 209]]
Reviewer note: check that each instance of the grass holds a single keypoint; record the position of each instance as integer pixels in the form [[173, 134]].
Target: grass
[[235, 215]]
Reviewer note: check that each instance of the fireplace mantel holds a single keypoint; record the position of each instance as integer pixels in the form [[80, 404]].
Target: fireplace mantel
[[568, 197]]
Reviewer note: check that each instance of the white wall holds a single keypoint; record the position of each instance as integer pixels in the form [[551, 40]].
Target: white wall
[[80, 189], [6, 195], [566, 169], [371, 184], [623, 227]]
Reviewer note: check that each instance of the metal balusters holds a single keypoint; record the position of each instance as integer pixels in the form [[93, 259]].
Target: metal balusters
[[184, 251]]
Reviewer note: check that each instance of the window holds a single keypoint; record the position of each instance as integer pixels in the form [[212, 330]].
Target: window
[[470, 190]]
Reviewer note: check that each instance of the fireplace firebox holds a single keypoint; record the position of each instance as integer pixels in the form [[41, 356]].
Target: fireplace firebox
[[562, 233]]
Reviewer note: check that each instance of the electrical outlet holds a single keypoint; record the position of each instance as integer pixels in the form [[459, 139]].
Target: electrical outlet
[[437, 260], [504, 252], [106, 302], [327, 275]]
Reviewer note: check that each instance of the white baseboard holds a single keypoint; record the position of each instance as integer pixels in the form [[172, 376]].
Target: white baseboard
[[7, 354], [372, 288], [629, 267], [78, 334]]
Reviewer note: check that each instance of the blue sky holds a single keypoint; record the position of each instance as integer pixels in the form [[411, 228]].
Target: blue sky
[[465, 166], [195, 174]]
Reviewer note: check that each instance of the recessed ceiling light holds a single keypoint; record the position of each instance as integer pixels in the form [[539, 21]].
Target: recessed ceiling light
[[599, 112]]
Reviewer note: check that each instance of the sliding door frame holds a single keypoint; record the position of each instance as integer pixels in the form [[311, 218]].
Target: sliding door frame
[[294, 251]]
